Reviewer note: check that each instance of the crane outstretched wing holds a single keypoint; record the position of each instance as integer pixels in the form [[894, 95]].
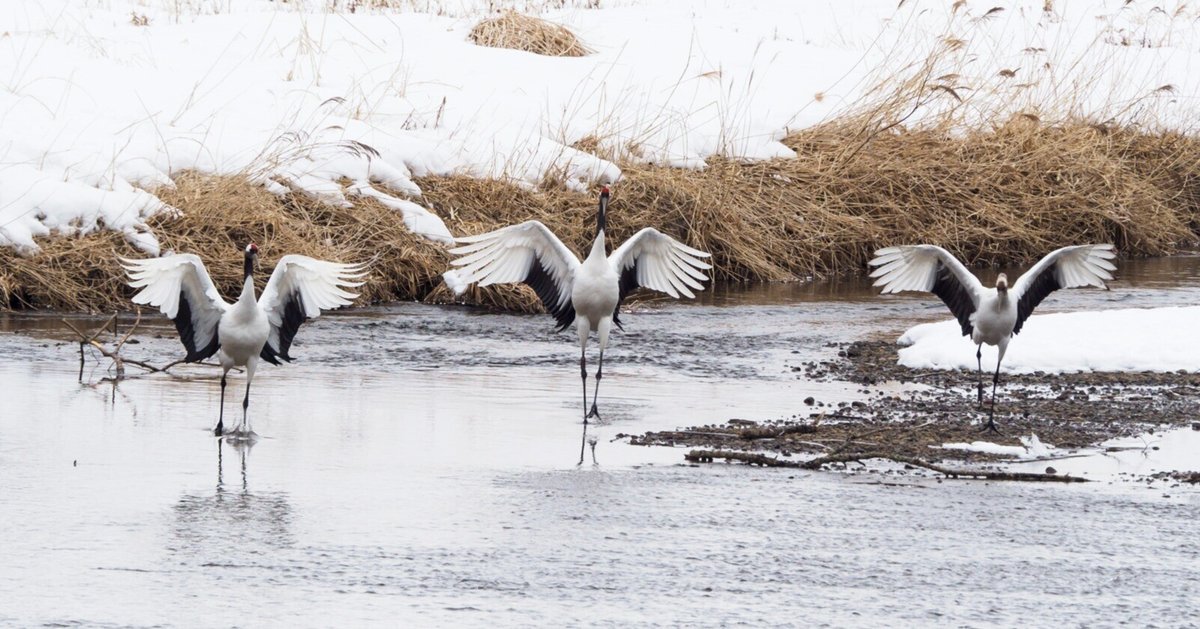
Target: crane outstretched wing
[[654, 260], [179, 286], [1069, 267], [933, 269], [527, 252], [299, 289]]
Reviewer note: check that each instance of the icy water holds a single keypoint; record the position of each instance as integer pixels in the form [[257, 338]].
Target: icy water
[[417, 467]]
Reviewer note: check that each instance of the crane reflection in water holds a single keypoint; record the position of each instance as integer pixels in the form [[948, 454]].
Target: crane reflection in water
[[232, 523]]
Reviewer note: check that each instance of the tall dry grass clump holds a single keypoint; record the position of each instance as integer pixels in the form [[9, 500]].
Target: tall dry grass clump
[[1005, 195], [1002, 196], [219, 215], [531, 34]]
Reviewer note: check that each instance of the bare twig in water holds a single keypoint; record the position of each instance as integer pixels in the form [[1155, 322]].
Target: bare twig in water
[[114, 354], [707, 456]]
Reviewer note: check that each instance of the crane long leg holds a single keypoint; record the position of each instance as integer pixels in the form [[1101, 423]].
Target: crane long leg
[[583, 376], [979, 371], [220, 429], [244, 427], [595, 395], [246, 407], [583, 444], [991, 425]]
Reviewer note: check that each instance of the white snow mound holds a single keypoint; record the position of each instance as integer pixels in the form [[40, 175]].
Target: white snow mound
[[1031, 448], [1158, 339]]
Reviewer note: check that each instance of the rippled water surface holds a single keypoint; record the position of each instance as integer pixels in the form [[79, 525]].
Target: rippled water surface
[[417, 467]]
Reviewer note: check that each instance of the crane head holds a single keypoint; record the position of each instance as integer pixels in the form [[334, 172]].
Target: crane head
[[251, 260], [1002, 283]]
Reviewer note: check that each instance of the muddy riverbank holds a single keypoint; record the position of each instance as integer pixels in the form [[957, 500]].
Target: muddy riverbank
[[938, 407]]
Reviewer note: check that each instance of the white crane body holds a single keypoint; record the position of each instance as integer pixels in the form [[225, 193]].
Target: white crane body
[[249, 329], [990, 315], [585, 294]]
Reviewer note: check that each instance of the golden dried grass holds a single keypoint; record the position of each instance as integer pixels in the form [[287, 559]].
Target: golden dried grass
[[1004, 195], [517, 31], [219, 215]]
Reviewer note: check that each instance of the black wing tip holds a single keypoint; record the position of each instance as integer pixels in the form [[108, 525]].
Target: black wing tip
[[293, 318], [955, 296], [195, 357], [1042, 285], [272, 356], [538, 278], [269, 355], [183, 325], [565, 317]]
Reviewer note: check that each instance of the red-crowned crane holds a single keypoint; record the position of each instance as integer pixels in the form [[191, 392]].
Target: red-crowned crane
[[990, 315], [240, 333], [587, 294]]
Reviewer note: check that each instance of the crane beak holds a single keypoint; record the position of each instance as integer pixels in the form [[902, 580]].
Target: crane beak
[[1002, 283]]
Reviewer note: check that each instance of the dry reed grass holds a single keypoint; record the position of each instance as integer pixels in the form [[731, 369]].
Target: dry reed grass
[[219, 215], [531, 34], [1001, 196]]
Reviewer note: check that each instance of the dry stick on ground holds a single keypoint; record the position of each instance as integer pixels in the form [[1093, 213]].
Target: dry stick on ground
[[773, 432], [707, 456], [858, 437]]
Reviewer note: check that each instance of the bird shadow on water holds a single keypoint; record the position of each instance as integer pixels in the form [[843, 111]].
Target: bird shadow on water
[[230, 525]]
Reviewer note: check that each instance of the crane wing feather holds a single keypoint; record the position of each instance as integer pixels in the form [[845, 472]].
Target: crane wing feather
[[654, 260], [180, 287], [299, 289], [1069, 267], [527, 252], [932, 269]]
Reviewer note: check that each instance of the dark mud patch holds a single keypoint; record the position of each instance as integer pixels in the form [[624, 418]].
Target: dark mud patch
[[1069, 411]]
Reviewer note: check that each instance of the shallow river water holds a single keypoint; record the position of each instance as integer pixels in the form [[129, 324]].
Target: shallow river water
[[417, 467]]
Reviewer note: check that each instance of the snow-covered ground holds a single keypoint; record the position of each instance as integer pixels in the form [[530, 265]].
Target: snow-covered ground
[[1031, 448], [103, 101], [1157, 339]]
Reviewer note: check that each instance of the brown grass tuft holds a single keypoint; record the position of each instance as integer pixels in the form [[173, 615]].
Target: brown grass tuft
[[219, 215], [530, 34], [1002, 196]]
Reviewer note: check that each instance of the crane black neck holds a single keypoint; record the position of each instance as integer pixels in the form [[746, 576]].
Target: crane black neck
[[248, 269], [601, 218]]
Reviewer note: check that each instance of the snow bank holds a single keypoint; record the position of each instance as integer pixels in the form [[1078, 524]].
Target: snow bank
[[37, 202], [1159, 339], [1031, 448], [120, 96], [1131, 458]]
